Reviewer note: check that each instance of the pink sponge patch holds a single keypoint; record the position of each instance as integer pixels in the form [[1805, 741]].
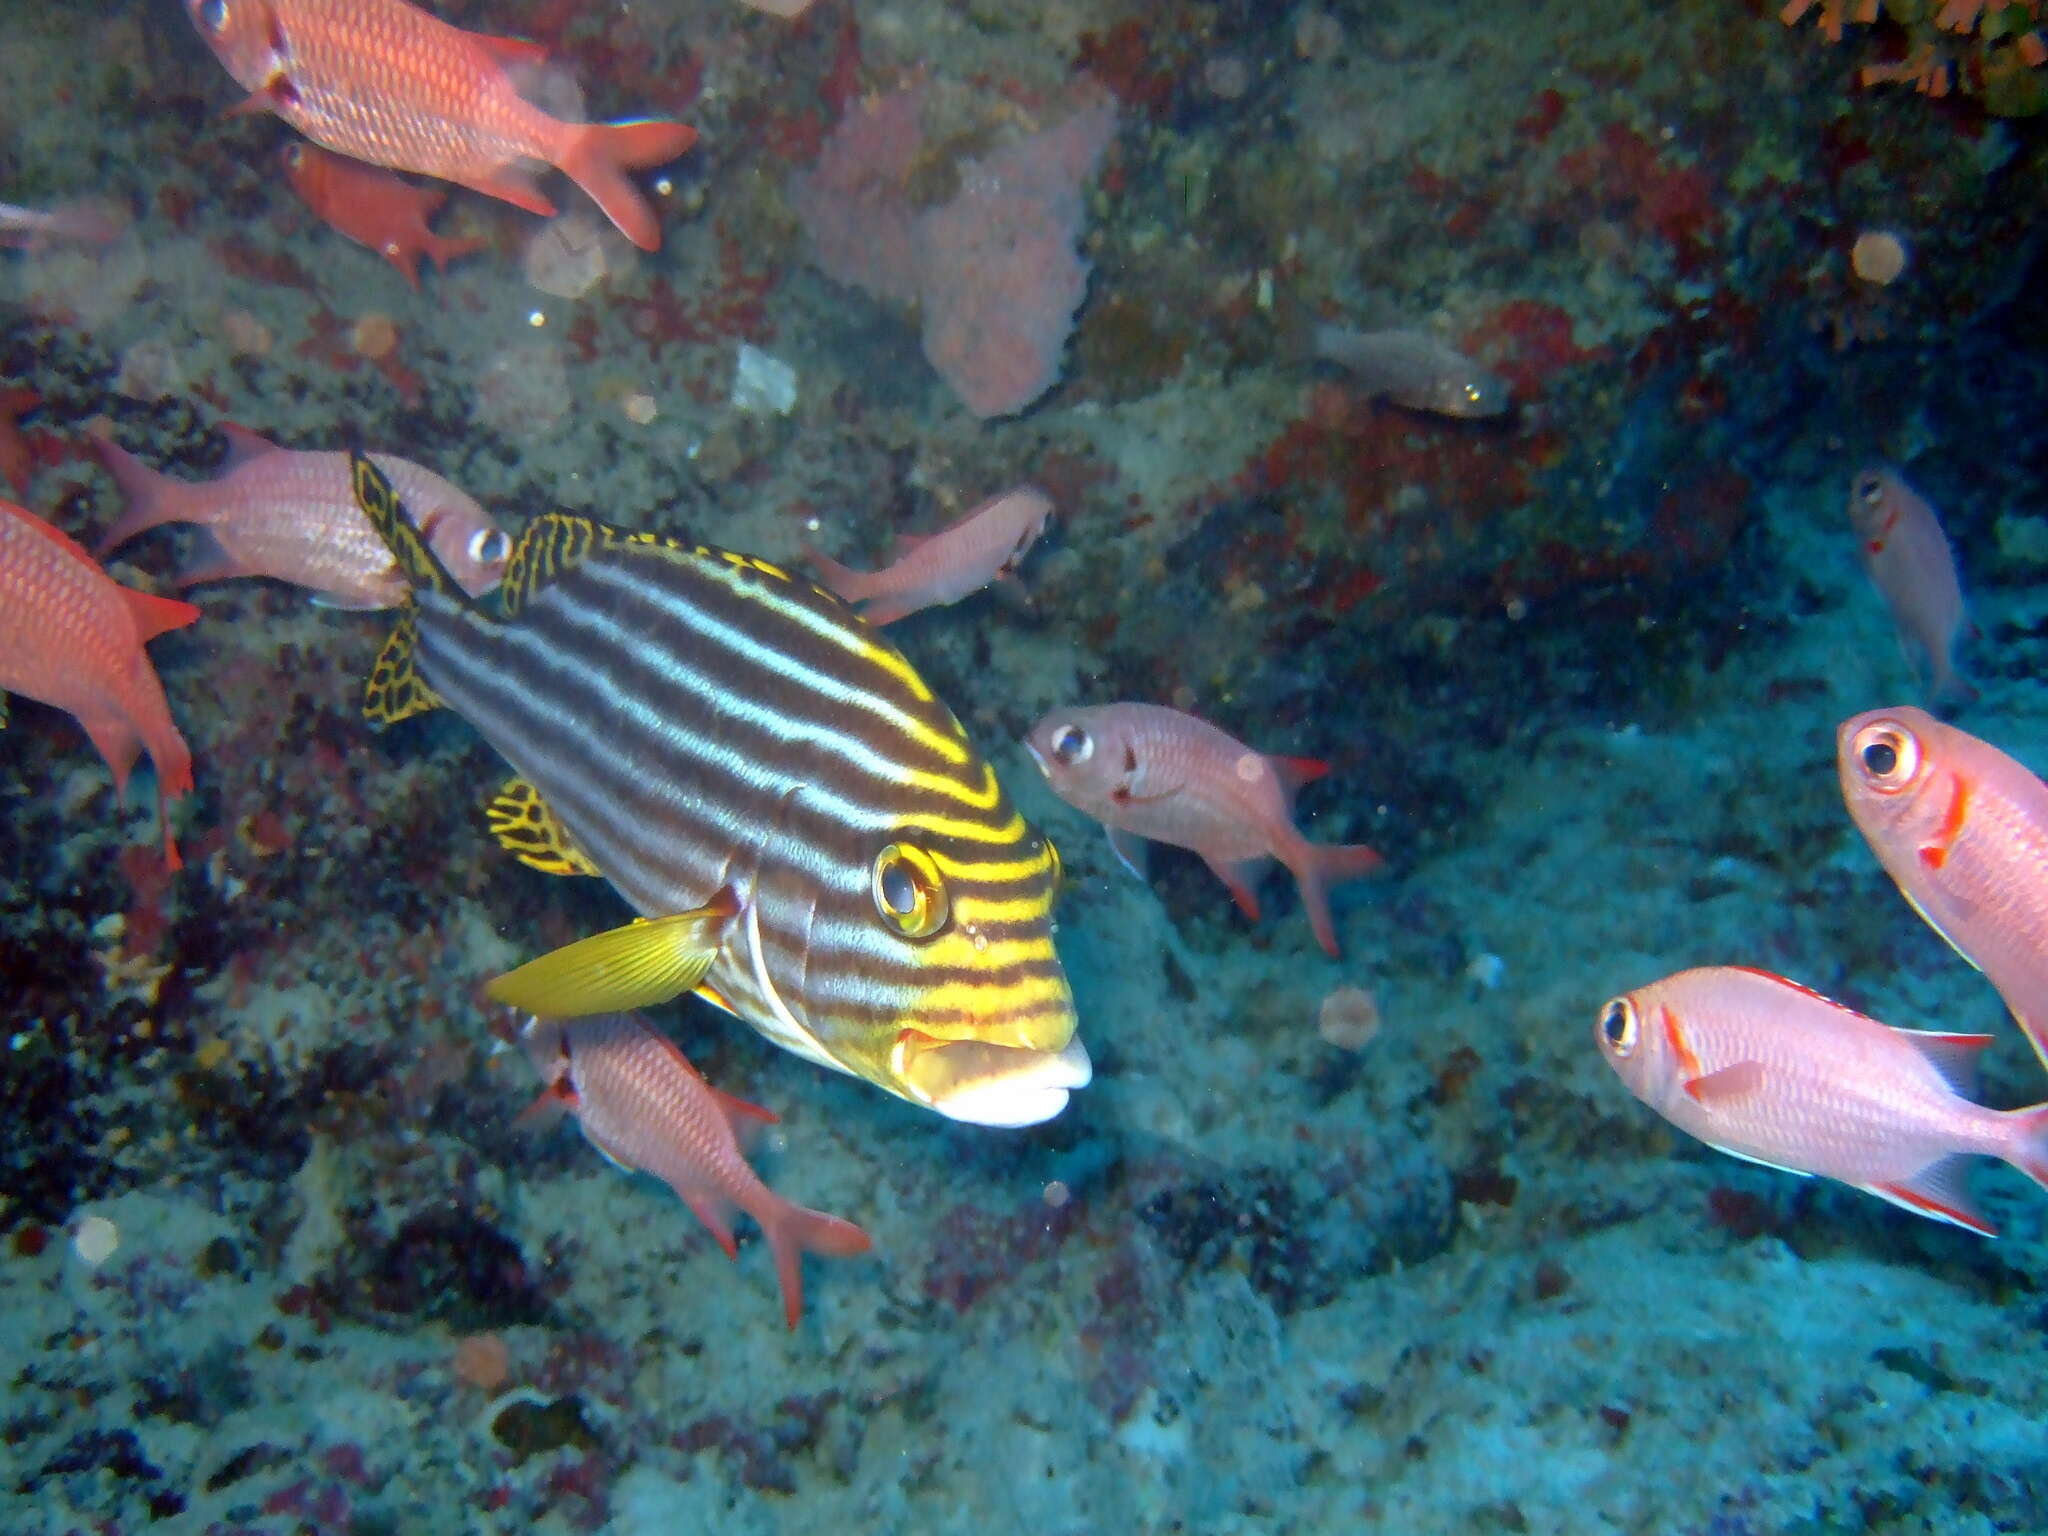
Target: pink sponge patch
[[993, 270]]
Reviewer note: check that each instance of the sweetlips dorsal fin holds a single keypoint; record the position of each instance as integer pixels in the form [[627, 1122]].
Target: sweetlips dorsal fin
[[557, 542], [526, 827], [378, 501], [551, 544]]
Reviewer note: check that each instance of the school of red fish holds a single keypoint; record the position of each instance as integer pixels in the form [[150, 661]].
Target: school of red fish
[[1749, 1062]]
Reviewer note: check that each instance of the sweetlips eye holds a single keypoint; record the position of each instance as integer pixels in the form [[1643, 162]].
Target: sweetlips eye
[[489, 546], [213, 15], [1868, 488], [909, 892], [1619, 1028], [1071, 745], [1888, 754]]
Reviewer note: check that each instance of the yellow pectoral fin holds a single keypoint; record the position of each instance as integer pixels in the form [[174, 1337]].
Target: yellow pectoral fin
[[648, 961], [396, 691], [525, 827]]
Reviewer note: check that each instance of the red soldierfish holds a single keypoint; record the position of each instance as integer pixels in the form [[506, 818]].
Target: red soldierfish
[[943, 567], [1963, 829], [1908, 559], [72, 636], [1759, 1066], [1147, 771], [374, 209], [389, 83], [292, 516], [644, 1106]]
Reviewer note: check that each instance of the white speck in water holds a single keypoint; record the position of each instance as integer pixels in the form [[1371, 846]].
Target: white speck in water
[[94, 1240], [537, 319], [1057, 1194], [1486, 971]]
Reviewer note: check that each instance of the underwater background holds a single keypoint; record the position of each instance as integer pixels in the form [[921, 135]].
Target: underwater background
[[1374, 1242]]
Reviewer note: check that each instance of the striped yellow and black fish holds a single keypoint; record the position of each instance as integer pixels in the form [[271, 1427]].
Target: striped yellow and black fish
[[813, 843]]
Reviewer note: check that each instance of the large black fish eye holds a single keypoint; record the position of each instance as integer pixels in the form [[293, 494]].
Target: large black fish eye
[[909, 891], [213, 15], [1869, 487], [1889, 755], [1618, 1026], [489, 546], [1071, 745]]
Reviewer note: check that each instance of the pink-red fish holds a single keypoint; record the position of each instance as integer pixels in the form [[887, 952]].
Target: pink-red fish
[[1143, 770], [1760, 1067], [374, 208], [87, 221], [292, 515], [388, 83], [643, 1105], [1963, 829], [72, 636], [1908, 559], [957, 561]]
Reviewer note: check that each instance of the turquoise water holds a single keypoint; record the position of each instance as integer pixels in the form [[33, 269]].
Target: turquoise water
[[1376, 1242]]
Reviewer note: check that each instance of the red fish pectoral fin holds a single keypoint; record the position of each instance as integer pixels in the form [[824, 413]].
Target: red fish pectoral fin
[[596, 157], [510, 51], [1727, 1087], [1939, 1191]]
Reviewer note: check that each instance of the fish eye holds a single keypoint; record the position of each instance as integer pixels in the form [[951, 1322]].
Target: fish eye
[[1869, 487], [1071, 745], [489, 546], [909, 892], [1889, 755], [293, 154], [213, 15], [1620, 1028]]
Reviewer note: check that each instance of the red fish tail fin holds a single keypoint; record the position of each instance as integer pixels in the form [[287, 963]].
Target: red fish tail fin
[[153, 499], [792, 1232], [2028, 1151], [845, 582], [596, 156], [1317, 867]]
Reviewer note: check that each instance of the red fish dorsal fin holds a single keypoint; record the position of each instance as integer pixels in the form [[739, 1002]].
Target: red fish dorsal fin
[[245, 444], [1953, 1056], [738, 1111], [1297, 771], [57, 536], [154, 615], [510, 51]]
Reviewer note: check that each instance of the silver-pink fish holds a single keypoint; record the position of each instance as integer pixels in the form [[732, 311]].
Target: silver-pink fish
[[1144, 770], [1907, 557], [940, 568], [1762, 1068], [643, 1105], [292, 516]]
